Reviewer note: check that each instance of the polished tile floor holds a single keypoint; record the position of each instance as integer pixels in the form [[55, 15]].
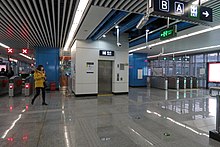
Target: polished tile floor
[[144, 118]]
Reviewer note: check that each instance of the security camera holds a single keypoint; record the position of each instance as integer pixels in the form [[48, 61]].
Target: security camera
[[119, 44], [142, 22]]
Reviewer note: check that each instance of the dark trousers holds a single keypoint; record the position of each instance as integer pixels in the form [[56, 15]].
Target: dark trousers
[[38, 93]]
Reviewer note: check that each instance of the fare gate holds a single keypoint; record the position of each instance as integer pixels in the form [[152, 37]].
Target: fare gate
[[29, 86], [15, 86]]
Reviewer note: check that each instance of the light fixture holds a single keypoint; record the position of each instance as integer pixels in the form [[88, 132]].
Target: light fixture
[[3, 45], [104, 36], [177, 38], [201, 2], [187, 51], [14, 60], [142, 22], [25, 56], [78, 16]]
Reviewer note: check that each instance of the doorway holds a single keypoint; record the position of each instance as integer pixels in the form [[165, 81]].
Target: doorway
[[104, 77]]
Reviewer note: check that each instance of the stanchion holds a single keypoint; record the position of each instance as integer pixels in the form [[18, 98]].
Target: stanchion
[[215, 134]]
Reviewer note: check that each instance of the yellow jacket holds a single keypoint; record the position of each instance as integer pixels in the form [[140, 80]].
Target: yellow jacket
[[39, 77]]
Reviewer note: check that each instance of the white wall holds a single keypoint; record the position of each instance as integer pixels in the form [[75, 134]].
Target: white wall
[[88, 51], [73, 65]]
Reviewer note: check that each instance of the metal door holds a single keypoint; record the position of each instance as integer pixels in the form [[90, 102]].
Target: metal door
[[104, 77]]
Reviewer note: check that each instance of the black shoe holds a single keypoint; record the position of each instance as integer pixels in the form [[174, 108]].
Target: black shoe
[[44, 104], [32, 102]]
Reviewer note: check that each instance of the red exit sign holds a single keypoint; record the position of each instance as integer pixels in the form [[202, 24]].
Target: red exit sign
[[10, 50], [24, 51]]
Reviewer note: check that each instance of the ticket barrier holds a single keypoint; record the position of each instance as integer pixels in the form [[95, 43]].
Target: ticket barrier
[[159, 82], [15, 86], [3, 85], [173, 83], [188, 82], [195, 82], [28, 86], [182, 82]]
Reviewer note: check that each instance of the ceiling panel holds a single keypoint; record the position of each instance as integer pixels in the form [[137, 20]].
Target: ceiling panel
[[140, 6], [35, 22], [92, 20]]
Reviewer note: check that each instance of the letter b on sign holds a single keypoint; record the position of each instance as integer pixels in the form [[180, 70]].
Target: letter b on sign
[[164, 5]]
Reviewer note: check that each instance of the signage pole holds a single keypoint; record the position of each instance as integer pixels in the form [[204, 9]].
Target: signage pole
[[9, 63], [217, 113], [215, 133], [147, 38], [168, 22]]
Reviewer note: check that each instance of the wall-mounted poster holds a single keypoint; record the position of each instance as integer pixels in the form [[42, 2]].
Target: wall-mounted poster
[[140, 74], [90, 67]]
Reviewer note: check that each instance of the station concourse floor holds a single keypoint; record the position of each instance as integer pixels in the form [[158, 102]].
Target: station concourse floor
[[143, 118]]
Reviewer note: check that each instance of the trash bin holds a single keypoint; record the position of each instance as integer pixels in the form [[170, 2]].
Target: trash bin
[[53, 86]]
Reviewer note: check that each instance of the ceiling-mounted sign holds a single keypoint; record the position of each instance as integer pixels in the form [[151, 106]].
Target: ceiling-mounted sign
[[206, 14], [24, 51], [168, 33], [10, 50], [194, 11], [181, 10], [106, 53], [170, 7]]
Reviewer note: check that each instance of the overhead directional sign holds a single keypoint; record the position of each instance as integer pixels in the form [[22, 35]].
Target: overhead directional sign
[[194, 12], [168, 33], [170, 7], [206, 14], [181, 10]]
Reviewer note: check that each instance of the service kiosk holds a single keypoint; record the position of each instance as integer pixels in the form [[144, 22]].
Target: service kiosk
[[215, 134]]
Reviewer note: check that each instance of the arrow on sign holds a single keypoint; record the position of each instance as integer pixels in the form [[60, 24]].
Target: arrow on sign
[[206, 13]]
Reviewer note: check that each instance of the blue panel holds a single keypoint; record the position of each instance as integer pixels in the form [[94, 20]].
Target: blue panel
[[143, 39], [132, 23], [102, 23], [108, 25], [137, 61], [49, 58]]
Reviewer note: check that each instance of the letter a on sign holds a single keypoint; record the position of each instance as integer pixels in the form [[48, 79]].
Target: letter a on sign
[[164, 5], [179, 8]]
